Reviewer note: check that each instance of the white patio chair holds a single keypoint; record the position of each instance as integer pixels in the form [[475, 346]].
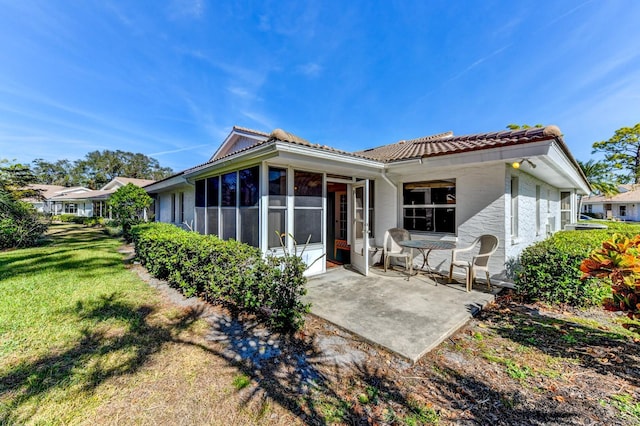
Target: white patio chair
[[391, 248], [479, 262]]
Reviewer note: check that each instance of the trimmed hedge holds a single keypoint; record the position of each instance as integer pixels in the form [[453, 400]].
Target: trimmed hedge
[[549, 271], [228, 271]]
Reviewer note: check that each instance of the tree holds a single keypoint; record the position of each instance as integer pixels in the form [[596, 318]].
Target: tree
[[128, 204], [19, 222], [600, 178], [522, 126], [57, 173], [622, 153], [99, 167]]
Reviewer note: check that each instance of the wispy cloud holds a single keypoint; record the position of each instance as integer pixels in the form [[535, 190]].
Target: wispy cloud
[[173, 151], [259, 119], [478, 62], [241, 92], [192, 9], [567, 13], [310, 69]]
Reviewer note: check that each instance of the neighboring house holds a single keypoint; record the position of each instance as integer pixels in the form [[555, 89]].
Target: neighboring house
[[259, 185], [80, 201], [622, 206]]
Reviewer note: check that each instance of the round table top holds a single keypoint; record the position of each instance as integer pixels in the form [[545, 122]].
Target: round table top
[[428, 244]]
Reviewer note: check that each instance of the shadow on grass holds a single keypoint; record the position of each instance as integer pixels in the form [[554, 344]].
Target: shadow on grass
[[58, 256], [88, 363], [488, 406], [601, 350], [285, 368]]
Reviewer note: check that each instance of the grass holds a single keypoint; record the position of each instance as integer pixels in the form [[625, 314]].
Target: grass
[[82, 338]]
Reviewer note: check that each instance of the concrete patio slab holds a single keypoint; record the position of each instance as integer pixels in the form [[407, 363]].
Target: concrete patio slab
[[409, 318]]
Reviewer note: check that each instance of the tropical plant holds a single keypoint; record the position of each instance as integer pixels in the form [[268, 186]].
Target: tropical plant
[[622, 153], [619, 261], [602, 181]]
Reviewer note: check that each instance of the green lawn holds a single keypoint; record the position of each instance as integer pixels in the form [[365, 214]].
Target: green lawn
[[83, 340], [70, 317]]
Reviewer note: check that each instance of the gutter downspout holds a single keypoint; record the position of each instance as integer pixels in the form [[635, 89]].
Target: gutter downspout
[[386, 179]]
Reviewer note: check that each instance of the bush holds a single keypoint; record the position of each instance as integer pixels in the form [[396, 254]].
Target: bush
[[20, 225], [549, 271], [227, 271], [618, 260]]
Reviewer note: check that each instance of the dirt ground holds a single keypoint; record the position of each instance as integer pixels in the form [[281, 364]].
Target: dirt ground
[[514, 364]]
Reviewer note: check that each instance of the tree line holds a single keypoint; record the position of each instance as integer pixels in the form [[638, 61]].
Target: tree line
[[98, 168]]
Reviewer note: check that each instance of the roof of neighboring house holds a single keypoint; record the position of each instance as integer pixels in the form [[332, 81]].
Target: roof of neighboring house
[[447, 143], [125, 180], [47, 191], [631, 195], [90, 195]]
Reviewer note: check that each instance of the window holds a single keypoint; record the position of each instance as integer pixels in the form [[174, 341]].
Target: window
[[514, 207], [250, 206], [277, 206], [173, 207], [623, 211], [201, 202], [307, 193], [71, 208], [181, 208], [213, 201], [429, 206], [372, 221], [228, 194], [201, 193], [538, 221], [565, 208]]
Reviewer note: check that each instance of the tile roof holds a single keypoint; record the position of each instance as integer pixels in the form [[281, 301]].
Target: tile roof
[[632, 195], [135, 181], [248, 130], [93, 194], [446, 143], [47, 191], [427, 146]]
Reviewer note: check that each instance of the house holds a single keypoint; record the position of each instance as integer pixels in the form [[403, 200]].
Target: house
[[625, 205], [518, 185], [80, 201]]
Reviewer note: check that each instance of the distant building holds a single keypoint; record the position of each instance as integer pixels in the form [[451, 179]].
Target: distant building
[[78, 200], [623, 206]]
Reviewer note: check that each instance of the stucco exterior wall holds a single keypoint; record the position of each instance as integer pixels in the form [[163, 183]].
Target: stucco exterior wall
[[479, 210], [164, 206], [483, 206], [528, 230]]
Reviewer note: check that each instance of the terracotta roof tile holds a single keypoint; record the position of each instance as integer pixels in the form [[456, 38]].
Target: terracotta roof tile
[[446, 143]]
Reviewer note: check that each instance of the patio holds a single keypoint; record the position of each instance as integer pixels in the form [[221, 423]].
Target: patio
[[409, 318]]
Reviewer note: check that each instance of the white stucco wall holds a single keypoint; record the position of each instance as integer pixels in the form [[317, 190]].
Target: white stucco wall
[[483, 206], [163, 207], [528, 232]]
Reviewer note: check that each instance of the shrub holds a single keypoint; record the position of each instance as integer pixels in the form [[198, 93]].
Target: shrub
[[128, 204], [69, 218], [549, 271], [20, 225], [227, 271], [619, 261]]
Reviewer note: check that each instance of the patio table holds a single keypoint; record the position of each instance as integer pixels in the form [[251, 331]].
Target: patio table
[[426, 247]]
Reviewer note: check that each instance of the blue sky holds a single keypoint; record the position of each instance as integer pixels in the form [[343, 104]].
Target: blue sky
[[170, 79]]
